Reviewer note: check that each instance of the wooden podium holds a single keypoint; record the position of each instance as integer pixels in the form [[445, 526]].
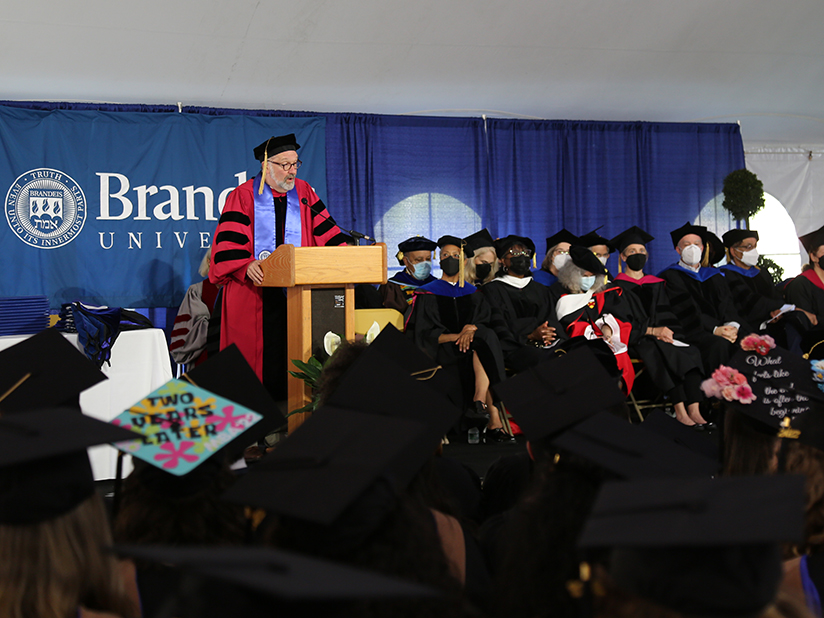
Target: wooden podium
[[320, 296]]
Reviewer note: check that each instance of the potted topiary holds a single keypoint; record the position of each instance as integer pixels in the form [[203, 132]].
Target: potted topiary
[[743, 194]]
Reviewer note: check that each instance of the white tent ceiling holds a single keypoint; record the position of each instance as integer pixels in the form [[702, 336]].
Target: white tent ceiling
[[760, 62]]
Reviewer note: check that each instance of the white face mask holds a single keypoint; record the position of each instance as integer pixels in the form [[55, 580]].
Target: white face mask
[[750, 258], [560, 260], [603, 260], [691, 255], [587, 282]]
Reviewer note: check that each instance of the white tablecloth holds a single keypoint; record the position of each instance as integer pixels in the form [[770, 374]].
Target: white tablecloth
[[139, 364]]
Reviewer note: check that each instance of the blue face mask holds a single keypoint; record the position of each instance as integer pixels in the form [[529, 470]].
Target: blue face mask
[[587, 282], [422, 270]]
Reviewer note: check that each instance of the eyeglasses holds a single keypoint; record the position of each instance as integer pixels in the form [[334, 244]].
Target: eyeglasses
[[288, 166], [511, 254]]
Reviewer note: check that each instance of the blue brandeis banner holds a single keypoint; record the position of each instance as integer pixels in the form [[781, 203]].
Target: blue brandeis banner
[[118, 208]]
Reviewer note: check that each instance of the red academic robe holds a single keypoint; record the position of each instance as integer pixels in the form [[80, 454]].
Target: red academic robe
[[232, 252]]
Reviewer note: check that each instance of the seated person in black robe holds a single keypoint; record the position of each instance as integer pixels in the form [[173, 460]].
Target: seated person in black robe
[[522, 315], [557, 254], [756, 298], [701, 299], [675, 370], [415, 255], [449, 322], [806, 291], [483, 265], [589, 306], [598, 245]]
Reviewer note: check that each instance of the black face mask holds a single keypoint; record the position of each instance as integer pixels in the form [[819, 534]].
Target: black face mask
[[450, 266], [482, 271], [519, 265], [636, 261]]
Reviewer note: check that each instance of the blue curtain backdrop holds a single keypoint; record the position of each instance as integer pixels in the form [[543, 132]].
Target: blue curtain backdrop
[[513, 176]]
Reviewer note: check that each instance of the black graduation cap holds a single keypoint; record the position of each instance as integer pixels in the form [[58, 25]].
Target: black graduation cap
[[276, 145], [45, 370], [44, 468], [481, 238], [229, 375], [502, 245], [665, 425], [590, 239], [688, 228], [735, 236], [563, 236], [582, 257], [813, 240], [559, 392], [293, 584], [327, 464], [391, 378], [704, 547], [781, 382], [631, 452], [714, 249], [630, 236], [417, 243], [458, 242]]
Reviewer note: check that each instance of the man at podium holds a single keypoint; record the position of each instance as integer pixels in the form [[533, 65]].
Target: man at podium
[[273, 208]]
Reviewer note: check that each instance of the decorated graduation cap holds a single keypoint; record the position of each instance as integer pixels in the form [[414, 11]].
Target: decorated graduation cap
[[812, 240], [771, 385], [44, 469], [182, 425], [563, 236], [546, 399], [44, 371], [416, 243], [226, 581], [324, 467], [735, 236], [631, 236], [481, 238], [276, 145], [688, 228], [590, 239], [702, 547], [582, 257], [630, 451]]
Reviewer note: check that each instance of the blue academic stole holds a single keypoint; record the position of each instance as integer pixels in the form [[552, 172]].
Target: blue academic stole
[[265, 227]]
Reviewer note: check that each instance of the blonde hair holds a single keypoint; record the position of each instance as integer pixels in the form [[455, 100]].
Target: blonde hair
[[203, 269], [470, 265], [52, 568]]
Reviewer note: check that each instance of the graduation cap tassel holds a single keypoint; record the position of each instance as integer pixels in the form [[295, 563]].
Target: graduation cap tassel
[[705, 261], [431, 373], [15, 387], [619, 264], [461, 268], [263, 168]]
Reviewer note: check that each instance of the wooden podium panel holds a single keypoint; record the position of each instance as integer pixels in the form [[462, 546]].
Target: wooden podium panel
[[320, 286]]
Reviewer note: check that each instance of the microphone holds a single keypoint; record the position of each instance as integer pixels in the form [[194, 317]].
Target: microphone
[[357, 236], [317, 209]]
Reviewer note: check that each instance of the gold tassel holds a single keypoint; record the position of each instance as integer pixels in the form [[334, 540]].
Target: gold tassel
[[461, 273], [619, 264], [431, 373], [534, 261], [263, 167], [15, 387], [705, 261]]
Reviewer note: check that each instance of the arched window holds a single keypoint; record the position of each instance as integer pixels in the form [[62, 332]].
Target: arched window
[[426, 214], [777, 238]]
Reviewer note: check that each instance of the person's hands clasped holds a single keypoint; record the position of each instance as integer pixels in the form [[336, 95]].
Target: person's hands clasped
[[662, 333], [544, 334], [254, 272], [730, 333], [465, 337]]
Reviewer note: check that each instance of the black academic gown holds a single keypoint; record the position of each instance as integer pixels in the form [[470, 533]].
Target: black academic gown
[[806, 292], [440, 308], [517, 312], [753, 293], [666, 363], [701, 302]]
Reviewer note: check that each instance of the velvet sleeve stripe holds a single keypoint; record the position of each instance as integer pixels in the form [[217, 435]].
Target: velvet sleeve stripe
[[324, 226], [234, 237], [231, 254], [338, 239], [235, 217]]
